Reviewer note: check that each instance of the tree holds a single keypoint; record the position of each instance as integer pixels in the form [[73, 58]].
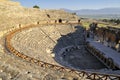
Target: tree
[[117, 21], [74, 13], [35, 6]]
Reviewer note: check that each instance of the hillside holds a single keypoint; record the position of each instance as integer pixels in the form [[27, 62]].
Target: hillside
[[12, 14]]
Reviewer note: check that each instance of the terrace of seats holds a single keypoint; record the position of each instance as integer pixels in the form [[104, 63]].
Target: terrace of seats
[[38, 42], [44, 41]]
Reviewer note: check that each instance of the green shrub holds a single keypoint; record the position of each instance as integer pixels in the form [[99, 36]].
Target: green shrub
[[36, 7]]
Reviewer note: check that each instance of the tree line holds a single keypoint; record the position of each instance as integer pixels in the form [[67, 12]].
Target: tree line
[[115, 21]]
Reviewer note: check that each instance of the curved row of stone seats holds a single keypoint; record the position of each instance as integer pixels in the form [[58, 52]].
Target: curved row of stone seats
[[51, 32], [33, 45], [57, 29], [63, 29], [27, 58], [33, 42]]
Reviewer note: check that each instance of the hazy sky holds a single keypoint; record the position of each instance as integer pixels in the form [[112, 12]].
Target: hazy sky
[[71, 4]]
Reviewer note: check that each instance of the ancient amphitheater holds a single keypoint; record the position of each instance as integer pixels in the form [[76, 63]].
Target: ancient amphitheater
[[33, 47]]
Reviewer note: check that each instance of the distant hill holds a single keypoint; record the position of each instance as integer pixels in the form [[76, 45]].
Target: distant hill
[[97, 13]]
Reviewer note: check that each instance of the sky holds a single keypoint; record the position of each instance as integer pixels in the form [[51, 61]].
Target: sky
[[71, 4]]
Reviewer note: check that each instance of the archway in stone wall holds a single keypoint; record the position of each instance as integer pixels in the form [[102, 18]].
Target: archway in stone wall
[[79, 20], [60, 20], [55, 21]]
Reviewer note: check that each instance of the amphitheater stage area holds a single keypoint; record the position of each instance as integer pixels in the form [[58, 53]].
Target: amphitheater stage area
[[82, 59], [107, 52]]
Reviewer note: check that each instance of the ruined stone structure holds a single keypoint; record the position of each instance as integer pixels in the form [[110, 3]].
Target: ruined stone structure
[[107, 36], [29, 39]]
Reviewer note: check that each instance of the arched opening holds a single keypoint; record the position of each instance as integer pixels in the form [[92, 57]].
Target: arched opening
[[55, 21], [20, 25], [110, 62], [60, 20], [79, 20], [38, 22]]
